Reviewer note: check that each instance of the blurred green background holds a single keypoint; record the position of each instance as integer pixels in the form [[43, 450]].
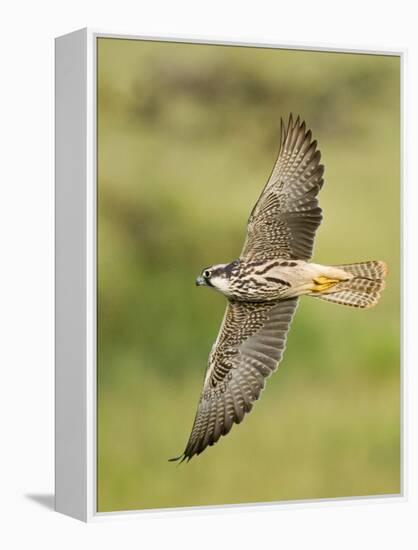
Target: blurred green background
[[187, 136]]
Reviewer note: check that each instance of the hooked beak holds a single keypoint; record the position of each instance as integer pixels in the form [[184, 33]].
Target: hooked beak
[[200, 281]]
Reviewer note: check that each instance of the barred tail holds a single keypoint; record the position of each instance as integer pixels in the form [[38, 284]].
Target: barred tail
[[363, 290]]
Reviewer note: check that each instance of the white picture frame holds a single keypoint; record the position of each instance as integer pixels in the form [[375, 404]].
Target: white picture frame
[[75, 245]]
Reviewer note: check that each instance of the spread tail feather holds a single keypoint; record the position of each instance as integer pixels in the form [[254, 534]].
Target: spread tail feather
[[362, 290]]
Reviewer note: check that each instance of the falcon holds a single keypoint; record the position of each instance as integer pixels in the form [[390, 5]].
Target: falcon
[[264, 284]]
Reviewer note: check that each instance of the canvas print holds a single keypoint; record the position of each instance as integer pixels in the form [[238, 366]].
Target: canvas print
[[270, 177]]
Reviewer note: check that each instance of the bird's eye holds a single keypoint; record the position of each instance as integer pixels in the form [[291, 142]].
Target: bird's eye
[[206, 274]]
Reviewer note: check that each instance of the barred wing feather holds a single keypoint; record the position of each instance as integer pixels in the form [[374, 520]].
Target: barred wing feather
[[248, 349], [286, 216]]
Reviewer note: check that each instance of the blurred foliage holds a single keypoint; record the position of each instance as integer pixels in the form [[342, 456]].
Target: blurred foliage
[[187, 135]]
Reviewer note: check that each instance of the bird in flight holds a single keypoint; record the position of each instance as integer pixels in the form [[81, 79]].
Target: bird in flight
[[263, 287]]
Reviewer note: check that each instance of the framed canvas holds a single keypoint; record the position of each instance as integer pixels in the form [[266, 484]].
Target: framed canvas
[[183, 164]]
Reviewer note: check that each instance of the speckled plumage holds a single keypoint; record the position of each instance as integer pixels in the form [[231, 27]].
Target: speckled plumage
[[264, 284]]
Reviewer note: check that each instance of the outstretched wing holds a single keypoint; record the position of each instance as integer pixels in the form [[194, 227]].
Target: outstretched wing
[[286, 216], [248, 349]]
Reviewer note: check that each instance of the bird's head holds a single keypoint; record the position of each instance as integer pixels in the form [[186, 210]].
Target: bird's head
[[219, 276]]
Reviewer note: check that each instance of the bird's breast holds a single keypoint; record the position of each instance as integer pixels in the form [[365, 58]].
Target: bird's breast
[[270, 280]]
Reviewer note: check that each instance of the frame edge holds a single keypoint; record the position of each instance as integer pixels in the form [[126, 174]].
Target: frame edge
[[71, 432]]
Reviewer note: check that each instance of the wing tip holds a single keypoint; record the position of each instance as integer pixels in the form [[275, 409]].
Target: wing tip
[[179, 459], [298, 121], [282, 133], [294, 127], [290, 126]]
